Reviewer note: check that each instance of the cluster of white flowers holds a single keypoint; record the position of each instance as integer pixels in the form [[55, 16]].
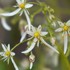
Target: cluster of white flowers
[[36, 34]]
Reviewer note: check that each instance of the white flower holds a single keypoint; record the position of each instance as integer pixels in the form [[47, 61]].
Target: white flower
[[65, 28], [21, 7], [38, 35], [7, 55]]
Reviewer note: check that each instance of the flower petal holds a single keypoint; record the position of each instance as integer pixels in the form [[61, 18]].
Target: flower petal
[[8, 47], [65, 42], [49, 45], [69, 31], [31, 47], [16, 68], [23, 36], [28, 19], [4, 24], [58, 30], [60, 23], [39, 28], [10, 13], [19, 1], [4, 47], [31, 65], [44, 33], [12, 54], [68, 23], [30, 33], [28, 5]]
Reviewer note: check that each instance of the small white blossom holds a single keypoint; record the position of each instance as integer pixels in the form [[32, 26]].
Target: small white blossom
[[21, 7], [7, 55], [37, 35], [65, 29]]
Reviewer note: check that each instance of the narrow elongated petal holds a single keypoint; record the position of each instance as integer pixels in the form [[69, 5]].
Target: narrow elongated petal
[[4, 24], [15, 66], [3, 46], [39, 28], [68, 23], [28, 5], [23, 36], [10, 13], [65, 42], [48, 45], [19, 1], [28, 19], [60, 23], [44, 33], [12, 54], [58, 30], [30, 33], [31, 47], [9, 47], [31, 65], [69, 31]]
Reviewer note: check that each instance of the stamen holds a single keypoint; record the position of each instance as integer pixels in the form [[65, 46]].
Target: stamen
[[65, 28], [36, 34], [8, 53], [22, 5]]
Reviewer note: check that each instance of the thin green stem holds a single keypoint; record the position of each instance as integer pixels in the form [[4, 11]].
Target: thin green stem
[[20, 43]]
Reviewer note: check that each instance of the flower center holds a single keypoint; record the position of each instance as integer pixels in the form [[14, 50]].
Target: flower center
[[22, 5], [8, 53], [65, 28], [36, 34]]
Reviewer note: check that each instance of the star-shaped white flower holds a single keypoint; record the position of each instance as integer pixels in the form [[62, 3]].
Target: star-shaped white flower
[[65, 28], [38, 35], [22, 7], [7, 55]]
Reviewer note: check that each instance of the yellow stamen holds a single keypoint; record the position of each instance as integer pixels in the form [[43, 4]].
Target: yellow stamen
[[65, 28], [22, 5], [36, 34], [8, 53]]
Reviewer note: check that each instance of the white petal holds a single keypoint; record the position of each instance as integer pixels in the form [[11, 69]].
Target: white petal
[[31, 47], [69, 31], [65, 42], [1, 53], [68, 23], [48, 45], [9, 47], [12, 54], [44, 33], [21, 13], [23, 36], [38, 43], [39, 28], [31, 65], [4, 24], [28, 5], [30, 33], [28, 19], [58, 30], [19, 1], [4, 47], [10, 13], [33, 29], [16, 68], [60, 23]]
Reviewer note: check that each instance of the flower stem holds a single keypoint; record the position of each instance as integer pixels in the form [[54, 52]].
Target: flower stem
[[20, 43]]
